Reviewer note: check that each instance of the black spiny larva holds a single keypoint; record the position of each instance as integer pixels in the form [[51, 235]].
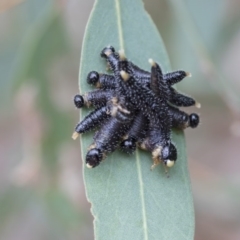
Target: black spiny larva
[[134, 108]]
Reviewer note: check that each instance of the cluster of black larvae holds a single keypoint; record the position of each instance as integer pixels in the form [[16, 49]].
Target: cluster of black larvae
[[133, 108]]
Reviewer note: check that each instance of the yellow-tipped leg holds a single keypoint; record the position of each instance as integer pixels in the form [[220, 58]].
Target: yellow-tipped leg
[[125, 76], [198, 105], [122, 55], [155, 162], [152, 63], [75, 135], [123, 110], [153, 166], [165, 169]]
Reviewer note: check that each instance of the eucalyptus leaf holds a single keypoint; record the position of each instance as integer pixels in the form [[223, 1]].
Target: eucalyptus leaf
[[43, 42], [129, 201]]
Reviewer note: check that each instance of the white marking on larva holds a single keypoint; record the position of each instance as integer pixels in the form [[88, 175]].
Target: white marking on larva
[[188, 74], [88, 165], [152, 63], [198, 105], [75, 135], [125, 76], [170, 163]]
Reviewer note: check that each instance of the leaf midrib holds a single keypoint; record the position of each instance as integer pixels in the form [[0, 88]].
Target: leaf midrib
[[119, 24], [140, 179], [138, 163]]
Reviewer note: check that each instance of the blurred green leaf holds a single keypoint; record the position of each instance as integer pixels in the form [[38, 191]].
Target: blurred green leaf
[[44, 42], [229, 29], [6, 4], [218, 80], [61, 209], [12, 201], [128, 200]]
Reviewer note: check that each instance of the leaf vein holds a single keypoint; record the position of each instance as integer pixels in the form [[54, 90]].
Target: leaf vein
[[140, 178], [167, 217], [119, 23]]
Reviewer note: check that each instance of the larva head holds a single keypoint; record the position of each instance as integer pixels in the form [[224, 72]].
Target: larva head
[[92, 78], [107, 51], [169, 154], [128, 145], [78, 101], [193, 120], [93, 158]]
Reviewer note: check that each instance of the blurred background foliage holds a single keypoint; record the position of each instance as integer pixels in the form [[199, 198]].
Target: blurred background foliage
[[41, 189]]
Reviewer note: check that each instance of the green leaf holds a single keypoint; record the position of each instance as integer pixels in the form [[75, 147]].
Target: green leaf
[[44, 41], [128, 200]]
